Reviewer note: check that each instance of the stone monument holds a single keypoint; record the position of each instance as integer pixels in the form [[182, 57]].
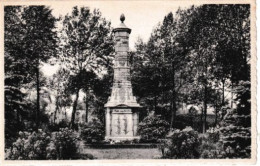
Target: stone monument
[[122, 115]]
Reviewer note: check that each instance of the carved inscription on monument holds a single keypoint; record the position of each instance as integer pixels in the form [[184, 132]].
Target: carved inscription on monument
[[125, 124], [118, 127], [122, 124], [121, 111]]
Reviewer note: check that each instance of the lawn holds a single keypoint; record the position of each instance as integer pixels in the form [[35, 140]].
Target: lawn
[[124, 153]]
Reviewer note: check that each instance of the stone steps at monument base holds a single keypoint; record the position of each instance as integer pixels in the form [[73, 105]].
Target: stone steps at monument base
[[114, 146]]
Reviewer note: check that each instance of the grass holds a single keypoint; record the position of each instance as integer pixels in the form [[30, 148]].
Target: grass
[[124, 153]]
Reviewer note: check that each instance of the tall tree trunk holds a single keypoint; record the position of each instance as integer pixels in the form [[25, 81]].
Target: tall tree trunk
[[65, 114], [216, 115], [205, 108], [86, 102], [173, 109], [155, 103], [56, 109], [74, 109], [18, 115], [55, 116], [201, 120], [223, 92], [231, 104], [37, 118]]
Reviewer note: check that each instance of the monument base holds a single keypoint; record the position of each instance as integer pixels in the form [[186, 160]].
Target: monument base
[[122, 138]]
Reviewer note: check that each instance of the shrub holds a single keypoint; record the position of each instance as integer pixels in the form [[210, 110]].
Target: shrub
[[11, 131], [181, 144], [29, 146], [213, 134], [231, 140], [41, 145], [235, 134], [153, 128], [63, 145], [184, 120], [210, 147], [235, 129], [58, 126], [220, 143], [210, 150], [93, 131]]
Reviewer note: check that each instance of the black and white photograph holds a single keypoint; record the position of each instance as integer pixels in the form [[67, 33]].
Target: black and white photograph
[[113, 80]]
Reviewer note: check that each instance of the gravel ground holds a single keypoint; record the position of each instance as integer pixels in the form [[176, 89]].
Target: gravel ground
[[124, 153]]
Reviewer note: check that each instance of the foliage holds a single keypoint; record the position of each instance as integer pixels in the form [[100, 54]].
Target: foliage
[[29, 146], [181, 144], [184, 120], [210, 147], [41, 145], [213, 134], [15, 74], [93, 131], [57, 126], [211, 150], [235, 128], [58, 85], [153, 128], [231, 140], [63, 146], [235, 135], [101, 92]]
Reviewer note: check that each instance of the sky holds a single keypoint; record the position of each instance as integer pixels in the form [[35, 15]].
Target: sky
[[141, 16]]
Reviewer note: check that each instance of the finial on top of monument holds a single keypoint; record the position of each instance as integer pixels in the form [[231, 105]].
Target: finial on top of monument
[[122, 18], [122, 27]]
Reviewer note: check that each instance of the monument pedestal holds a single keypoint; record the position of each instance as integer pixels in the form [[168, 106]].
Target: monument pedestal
[[122, 116], [121, 123]]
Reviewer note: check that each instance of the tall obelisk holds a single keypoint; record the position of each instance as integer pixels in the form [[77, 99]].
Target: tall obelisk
[[122, 115]]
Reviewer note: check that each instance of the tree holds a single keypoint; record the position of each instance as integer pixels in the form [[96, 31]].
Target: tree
[[87, 46], [89, 79], [193, 57], [204, 33], [39, 42], [221, 34], [233, 50], [29, 40], [101, 91], [235, 129], [15, 72], [146, 74], [58, 84], [162, 74], [175, 58]]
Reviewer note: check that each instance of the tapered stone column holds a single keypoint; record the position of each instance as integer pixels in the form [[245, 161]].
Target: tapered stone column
[[122, 108]]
